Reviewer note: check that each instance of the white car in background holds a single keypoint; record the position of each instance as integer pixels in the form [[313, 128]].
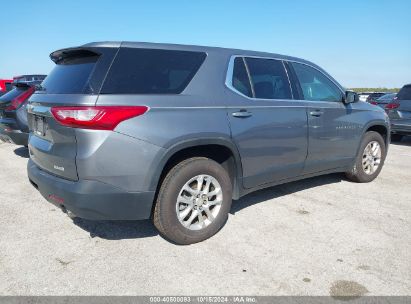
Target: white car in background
[[364, 95]]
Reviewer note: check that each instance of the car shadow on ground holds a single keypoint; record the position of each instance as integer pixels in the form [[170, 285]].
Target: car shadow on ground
[[118, 230], [405, 141], [22, 152], [283, 189]]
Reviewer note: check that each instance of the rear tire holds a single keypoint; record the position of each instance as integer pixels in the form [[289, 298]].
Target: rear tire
[[187, 213], [396, 137], [370, 158]]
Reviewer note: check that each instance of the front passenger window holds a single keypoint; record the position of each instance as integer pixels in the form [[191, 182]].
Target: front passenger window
[[315, 85]]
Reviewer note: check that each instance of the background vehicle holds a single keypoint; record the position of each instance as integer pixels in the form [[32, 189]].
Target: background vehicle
[[384, 100], [399, 112], [127, 131], [5, 86], [364, 95], [29, 78], [13, 112], [374, 96]]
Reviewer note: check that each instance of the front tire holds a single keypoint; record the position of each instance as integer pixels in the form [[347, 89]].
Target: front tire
[[370, 159], [193, 201]]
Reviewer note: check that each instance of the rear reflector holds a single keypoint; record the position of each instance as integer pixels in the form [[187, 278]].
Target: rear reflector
[[56, 199], [392, 106], [96, 118], [19, 100]]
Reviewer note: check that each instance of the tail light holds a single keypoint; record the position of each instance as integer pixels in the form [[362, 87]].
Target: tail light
[[392, 106], [96, 118], [374, 103], [19, 100]]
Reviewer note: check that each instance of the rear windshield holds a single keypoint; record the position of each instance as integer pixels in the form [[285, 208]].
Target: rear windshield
[[404, 93], [152, 71], [71, 75], [375, 95], [9, 86], [12, 94], [387, 97]]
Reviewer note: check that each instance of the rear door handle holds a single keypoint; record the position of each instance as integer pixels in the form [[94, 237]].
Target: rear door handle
[[242, 114], [316, 113]]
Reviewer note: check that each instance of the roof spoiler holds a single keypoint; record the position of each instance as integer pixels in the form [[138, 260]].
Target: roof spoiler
[[61, 55]]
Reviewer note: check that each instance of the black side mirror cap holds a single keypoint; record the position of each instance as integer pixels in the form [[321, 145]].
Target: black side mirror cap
[[350, 97]]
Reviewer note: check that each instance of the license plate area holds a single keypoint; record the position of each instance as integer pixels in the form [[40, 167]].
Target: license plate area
[[39, 127]]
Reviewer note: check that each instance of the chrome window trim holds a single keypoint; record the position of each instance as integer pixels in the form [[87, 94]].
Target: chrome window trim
[[229, 77], [230, 70]]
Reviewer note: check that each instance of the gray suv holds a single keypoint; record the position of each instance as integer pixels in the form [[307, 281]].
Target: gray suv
[[129, 131]]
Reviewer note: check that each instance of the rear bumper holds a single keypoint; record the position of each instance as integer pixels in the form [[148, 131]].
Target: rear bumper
[[400, 128], [9, 132], [89, 199]]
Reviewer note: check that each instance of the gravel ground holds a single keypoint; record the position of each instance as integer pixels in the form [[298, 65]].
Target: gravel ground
[[321, 236]]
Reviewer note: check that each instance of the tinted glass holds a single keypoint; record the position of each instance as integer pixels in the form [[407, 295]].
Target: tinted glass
[[70, 76], [241, 81], [404, 93], [315, 85], [268, 78], [375, 95], [386, 97], [152, 71], [12, 94], [9, 86]]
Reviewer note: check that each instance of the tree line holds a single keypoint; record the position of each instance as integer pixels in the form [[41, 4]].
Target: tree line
[[359, 90]]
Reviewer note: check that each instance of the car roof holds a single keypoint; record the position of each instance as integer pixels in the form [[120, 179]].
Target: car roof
[[198, 48]]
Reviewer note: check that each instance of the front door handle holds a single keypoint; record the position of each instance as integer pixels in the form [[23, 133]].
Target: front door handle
[[316, 113], [242, 114]]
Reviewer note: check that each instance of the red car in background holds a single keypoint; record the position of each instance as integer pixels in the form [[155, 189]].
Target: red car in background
[[5, 85], [13, 113]]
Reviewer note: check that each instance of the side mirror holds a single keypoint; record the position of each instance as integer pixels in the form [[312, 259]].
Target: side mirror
[[350, 97]]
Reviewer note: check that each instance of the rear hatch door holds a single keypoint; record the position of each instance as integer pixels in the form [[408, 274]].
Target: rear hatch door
[[402, 114], [75, 81]]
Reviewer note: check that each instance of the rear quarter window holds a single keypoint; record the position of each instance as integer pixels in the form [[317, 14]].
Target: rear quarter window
[[152, 71]]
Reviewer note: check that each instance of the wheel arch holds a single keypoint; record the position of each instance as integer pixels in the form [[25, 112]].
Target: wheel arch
[[380, 128], [376, 126], [221, 150]]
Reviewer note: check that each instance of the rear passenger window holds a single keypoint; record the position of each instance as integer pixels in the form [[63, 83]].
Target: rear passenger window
[[268, 78], [152, 71], [315, 85], [241, 82]]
